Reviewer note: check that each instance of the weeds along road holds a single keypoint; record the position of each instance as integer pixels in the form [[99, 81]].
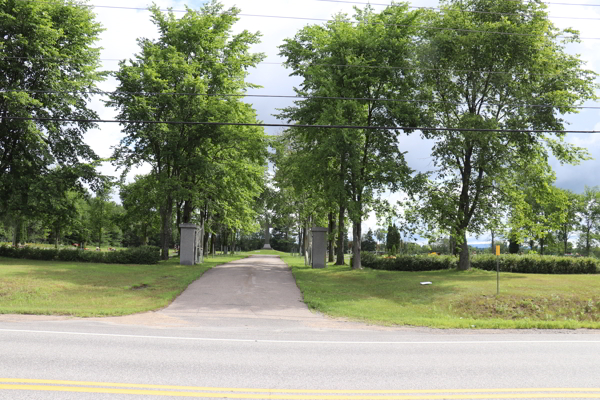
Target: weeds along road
[[242, 332]]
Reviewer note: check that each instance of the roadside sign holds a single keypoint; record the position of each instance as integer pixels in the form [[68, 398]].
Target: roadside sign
[[497, 250]]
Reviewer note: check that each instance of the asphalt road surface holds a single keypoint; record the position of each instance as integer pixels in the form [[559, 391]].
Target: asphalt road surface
[[242, 332]]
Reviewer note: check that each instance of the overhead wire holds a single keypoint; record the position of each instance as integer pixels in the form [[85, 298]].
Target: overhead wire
[[330, 20], [365, 127], [374, 99], [461, 11], [65, 59]]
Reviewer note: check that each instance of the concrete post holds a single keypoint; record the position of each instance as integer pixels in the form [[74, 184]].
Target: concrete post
[[319, 246], [189, 239]]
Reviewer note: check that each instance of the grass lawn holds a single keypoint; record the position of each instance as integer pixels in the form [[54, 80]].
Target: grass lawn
[[456, 299], [88, 289]]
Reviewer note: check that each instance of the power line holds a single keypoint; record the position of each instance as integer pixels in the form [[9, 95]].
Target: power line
[[465, 11], [64, 59], [122, 121], [281, 97], [330, 20]]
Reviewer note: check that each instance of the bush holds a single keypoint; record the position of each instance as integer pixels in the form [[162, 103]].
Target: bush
[[531, 264], [535, 264], [408, 263], [135, 255]]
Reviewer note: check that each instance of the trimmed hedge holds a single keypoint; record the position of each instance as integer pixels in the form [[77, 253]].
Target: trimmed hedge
[[536, 264], [531, 264], [134, 255]]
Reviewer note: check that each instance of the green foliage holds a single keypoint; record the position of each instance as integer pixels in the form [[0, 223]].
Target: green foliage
[[351, 165], [535, 264], [409, 263], [47, 69], [482, 82], [218, 169], [134, 255], [508, 263], [392, 242]]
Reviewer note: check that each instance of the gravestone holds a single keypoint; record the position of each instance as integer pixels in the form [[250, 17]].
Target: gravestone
[[190, 251], [319, 246], [267, 236]]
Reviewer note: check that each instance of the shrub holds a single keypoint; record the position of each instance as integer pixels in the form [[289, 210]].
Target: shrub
[[535, 264], [532, 264], [135, 255], [408, 263]]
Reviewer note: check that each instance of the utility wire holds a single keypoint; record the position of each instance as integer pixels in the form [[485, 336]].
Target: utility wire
[[279, 96], [124, 121], [463, 11], [330, 20], [328, 65]]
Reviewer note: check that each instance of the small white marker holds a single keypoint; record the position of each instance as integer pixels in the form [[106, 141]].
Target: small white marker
[[425, 283]]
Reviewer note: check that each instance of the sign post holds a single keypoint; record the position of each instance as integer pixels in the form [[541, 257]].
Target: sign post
[[497, 271]]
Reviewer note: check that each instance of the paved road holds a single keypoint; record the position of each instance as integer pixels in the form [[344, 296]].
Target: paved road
[[241, 332]]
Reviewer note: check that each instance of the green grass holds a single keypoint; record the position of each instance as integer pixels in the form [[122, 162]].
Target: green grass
[[88, 289], [456, 299]]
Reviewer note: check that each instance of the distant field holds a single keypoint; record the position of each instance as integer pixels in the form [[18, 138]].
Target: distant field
[[455, 299], [88, 289]]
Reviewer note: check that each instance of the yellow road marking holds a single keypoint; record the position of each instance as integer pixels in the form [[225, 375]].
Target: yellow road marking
[[276, 394], [287, 397], [254, 390]]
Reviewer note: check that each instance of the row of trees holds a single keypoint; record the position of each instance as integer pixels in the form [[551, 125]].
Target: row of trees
[[487, 82], [194, 71]]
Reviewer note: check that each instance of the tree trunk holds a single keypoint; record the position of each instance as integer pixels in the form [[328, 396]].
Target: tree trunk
[[166, 215], [307, 242], [331, 233], [493, 248], [340, 239], [213, 239], [356, 239], [57, 236], [541, 247], [464, 263], [17, 231], [188, 208]]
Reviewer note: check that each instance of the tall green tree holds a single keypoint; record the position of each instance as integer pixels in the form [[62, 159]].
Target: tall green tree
[[196, 54], [590, 217], [476, 79], [48, 62], [341, 59]]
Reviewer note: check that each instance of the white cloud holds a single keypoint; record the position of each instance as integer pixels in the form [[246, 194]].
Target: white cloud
[[123, 27]]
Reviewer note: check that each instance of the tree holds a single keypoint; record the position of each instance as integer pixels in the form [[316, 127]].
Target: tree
[[571, 223], [140, 201], [522, 80], [380, 235], [196, 55], [392, 239], [347, 60], [47, 68], [590, 217], [368, 242]]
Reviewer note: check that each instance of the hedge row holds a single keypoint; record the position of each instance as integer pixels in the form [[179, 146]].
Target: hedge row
[[134, 255], [533, 264]]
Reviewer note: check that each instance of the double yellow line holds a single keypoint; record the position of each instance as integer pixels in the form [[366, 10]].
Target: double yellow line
[[292, 394]]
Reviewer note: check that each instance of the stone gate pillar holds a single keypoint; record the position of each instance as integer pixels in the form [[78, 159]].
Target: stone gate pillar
[[319, 246], [188, 252]]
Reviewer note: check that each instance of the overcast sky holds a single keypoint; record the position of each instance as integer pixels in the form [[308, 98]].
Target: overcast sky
[[123, 26]]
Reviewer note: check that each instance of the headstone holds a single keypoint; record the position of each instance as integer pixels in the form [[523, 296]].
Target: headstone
[[190, 251], [267, 236], [319, 247]]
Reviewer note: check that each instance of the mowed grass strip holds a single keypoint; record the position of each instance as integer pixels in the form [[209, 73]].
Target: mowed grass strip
[[456, 299], [91, 290]]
